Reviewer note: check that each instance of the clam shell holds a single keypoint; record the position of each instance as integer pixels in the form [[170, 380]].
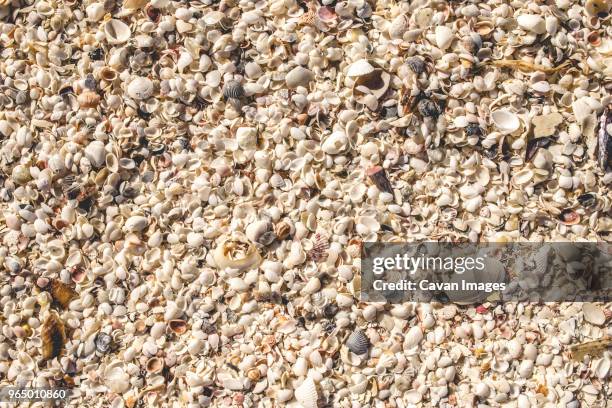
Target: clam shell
[[299, 76], [532, 22], [359, 68], [335, 143], [117, 380], [358, 342], [398, 26], [140, 88], [306, 394], [444, 37], [506, 121], [117, 32], [233, 89]]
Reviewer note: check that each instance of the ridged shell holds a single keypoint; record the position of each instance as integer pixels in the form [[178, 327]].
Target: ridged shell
[[140, 88], [359, 68], [233, 89], [306, 394], [358, 342], [53, 337]]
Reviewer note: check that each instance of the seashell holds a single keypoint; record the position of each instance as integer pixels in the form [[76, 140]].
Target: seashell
[[21, 174], [506, 121], [117, 32], [306, 394], [326, 14], [140, 88], [299, 76], [60, 292], [359, 68], [134, 4], [444, 37], [53, 336], [484, 28], [236, 253], [569, 217], [593, 314], [154, 365], [257, 232], [416, 64], [88, 99], [594, 38], [136, 223], [233, 89], [532, 22], [335, 143], [597, 7], [213, 18], [103, 342], [428, 108], [95, 11], [398, 26], [107, 74], [116, 379], [178, 326], [375, 83], [358, 342]]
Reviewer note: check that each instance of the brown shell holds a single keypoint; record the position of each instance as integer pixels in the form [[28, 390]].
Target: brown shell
[[61, 293], [53, 337], [88, 99]]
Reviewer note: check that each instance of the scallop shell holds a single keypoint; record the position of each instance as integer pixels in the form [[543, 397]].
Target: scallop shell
[[53, 336], [306, 394], [506, 121], [358, 342], [140, 88], [236, 253], [117, 32], [359, 68]]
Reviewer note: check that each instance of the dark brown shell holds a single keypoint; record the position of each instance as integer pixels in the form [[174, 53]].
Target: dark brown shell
[[428, 108], [53, 336], [61, 293]]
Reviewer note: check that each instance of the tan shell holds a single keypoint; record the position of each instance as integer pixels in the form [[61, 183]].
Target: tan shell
[[117, 32], [236, 252]]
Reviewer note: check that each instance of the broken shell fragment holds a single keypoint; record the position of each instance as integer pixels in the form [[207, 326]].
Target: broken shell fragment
[[117, 32], [53, 336], [569, 217], [236, 253], [506, 121]]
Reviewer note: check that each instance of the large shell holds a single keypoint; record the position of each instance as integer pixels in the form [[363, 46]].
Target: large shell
[[306, 394], [236, 252], [53, 336], [358, 342], [593, 314], [359, 68], [532, 22], [117, 32]]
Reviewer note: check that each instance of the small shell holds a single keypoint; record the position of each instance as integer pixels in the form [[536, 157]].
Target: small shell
[[416, 64], [326, 14], [358, 342], [532, 22], [88, 99], [569, 217], [306, 394], [103, 342], [335, 143], [53, 337], [233, 89], [299, 76], [140, 88], [398, 26], [178, 326], [359, 68], [236, 253], [506, 121], [155, 365], [117, 32]]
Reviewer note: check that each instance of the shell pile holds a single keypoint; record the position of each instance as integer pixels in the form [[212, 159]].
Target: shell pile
[[185, 187]]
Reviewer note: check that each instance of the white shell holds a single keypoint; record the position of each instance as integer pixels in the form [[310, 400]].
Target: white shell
[[444, 37], [398, 26], [532, 22], [244, 260], [506, 121], [306, 394], [359, 68], [117, 380], [593, 314], [335, 143], [299, 76], [95, 11], [117, 32], [140, 88]]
